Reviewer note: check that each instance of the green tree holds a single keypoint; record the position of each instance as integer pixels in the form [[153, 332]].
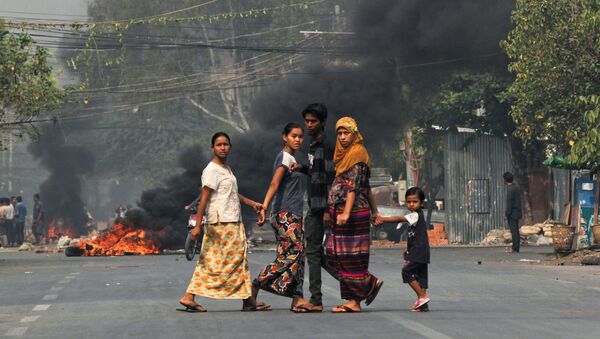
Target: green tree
[[479, 101], [555, 52], [27, 87]]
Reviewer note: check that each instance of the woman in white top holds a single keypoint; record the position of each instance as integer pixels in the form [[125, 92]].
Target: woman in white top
[[222, 271]]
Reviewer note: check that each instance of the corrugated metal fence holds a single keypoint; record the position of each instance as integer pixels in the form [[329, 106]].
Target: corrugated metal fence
[[560, 183], [475, 192]]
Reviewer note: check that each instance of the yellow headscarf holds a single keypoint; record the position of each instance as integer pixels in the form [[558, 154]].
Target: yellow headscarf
[[345, 158]]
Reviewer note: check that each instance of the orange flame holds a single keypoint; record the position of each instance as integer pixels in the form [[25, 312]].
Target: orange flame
[[56, 229], [121, 239]]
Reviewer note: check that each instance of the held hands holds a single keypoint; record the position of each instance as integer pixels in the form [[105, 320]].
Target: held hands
[[257, 207], [377, 219], [261, 217]]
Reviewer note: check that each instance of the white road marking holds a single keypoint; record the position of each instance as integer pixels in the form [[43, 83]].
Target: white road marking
[[416, 327], [44, 307], [74, 273], [594, 288], [565, 281], [56, 288], [70, 277], [64, 281], [50, 297], [16, 332], [29, 318]]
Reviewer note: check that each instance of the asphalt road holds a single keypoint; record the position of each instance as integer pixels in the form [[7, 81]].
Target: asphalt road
[[52, 296]]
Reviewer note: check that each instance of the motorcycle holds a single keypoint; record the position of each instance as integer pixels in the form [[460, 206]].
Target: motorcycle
[[193, 246]]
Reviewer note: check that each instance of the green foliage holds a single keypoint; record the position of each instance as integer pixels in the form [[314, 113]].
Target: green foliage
[[555, 52], [585, 145], [27, 87], [476, 101]]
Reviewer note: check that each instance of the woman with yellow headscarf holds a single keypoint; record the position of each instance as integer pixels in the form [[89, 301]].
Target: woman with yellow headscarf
[[351, 205]]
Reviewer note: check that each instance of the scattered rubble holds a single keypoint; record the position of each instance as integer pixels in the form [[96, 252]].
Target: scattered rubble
[[543, 241], [581, 257], [26, 246], [497, 237], [531, 230], [63, 242]]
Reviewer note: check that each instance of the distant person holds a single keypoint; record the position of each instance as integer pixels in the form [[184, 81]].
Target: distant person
[[321, 172], [222, 270], [4, 202], [514, 211], [351, 205], [20, 221], [284, 276], [417, 254], [38, 227], [10, 221], [89, 223], [120, 213]]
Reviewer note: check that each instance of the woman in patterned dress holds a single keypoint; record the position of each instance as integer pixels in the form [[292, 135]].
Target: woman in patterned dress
[[285, 275], [222, 271], [351, 206]]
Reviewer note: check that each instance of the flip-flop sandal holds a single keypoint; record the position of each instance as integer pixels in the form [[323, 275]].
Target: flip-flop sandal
[[423, 308], [259, 307], [421, 303], [299, 309], [374, 292], [306, 309], [345, 309], [191, 308]]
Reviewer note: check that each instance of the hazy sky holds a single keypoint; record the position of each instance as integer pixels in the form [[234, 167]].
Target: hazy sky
[[56, 9]]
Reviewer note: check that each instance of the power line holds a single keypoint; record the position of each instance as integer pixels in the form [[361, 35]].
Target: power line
[[161, 19]]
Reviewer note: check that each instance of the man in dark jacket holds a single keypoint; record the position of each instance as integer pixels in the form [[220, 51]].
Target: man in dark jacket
[[321, 172], [514, 211]]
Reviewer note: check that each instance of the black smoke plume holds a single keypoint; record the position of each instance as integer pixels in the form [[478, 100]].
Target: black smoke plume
[[161, 209], [67, 164], [402, 48]]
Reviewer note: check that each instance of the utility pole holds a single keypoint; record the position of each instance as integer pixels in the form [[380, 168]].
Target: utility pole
[[10, 160]]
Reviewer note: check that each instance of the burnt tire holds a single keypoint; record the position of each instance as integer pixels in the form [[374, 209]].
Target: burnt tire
[[73, 251]]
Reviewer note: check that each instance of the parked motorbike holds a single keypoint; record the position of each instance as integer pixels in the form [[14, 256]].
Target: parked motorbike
[[193, 246]]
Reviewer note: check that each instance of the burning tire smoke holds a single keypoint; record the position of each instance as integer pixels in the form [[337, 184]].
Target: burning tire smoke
[[61, 192], [400, 50]]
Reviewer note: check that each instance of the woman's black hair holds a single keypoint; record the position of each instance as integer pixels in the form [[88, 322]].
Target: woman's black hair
[[317, 109], [290, 126], [219, 134], [415, 191], [508, 177]]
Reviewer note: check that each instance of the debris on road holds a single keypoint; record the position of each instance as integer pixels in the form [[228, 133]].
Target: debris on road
[[581, 257], [497, 237], [26, 247]]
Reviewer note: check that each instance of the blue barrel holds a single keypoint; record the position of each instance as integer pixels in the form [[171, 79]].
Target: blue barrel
[[584, 189]]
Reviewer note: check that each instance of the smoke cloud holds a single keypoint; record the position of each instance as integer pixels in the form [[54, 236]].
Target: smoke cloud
[[402, 48], [67, 164]]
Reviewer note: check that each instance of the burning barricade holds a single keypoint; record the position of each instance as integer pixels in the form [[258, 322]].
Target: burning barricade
[[121, 239]]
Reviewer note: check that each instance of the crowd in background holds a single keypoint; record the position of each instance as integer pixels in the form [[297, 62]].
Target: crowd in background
[[14, 217]]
